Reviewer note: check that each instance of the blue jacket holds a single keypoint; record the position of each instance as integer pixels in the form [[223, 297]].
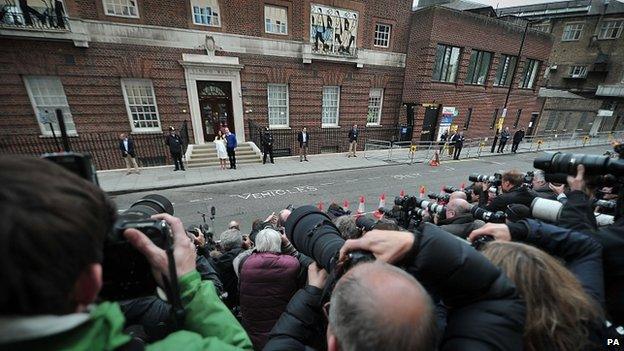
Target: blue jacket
[[231, 141]]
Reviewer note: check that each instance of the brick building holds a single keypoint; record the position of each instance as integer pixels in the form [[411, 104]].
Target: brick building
[[140, 66], [585, 73]]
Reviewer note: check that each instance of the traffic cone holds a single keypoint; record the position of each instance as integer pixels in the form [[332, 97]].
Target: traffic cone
[[462, 186], [321, 206], [435, 160], [421, 192], [345, 205], [361, 209], [402, 193], [382, 204]]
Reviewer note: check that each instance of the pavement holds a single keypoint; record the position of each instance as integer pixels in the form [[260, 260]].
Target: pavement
[[117, 182]]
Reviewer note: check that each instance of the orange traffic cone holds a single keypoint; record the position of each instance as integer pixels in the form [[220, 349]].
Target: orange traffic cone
[[345, 205], [421, 192], [435, 160], [321, 206], [382, 204], [462, 186], [402, 193], [361, 209]]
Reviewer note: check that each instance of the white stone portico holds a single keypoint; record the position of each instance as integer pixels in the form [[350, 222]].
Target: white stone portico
[[213, 68]]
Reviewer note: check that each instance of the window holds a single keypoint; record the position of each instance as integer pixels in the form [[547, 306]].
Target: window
[[582, 123], [46, 96], [550, 123], [275, 19], [331, 99], [446, 63], [542, 27], [277, 95], [517, 118], [468, 117], [505, 70], [572, 32], [494, 117], [375, 98], [141, 105], [121, 8], [530, 73], [566, 121], [578, 71], [610, 29], [478, 67], [206, 12], [382, 35]]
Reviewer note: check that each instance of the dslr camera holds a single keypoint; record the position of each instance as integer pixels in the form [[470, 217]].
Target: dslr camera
[[488, 216], [494, 180]]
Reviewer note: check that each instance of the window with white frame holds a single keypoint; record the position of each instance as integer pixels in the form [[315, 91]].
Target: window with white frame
[[46, 96], [542, 27], [578, 71], [206, 12], [529, 75], [375, 99], [275, 19], [141, 105], [382, 35], [572, 31], [611, 29], [277, 95], [331, 99], [121, 8]]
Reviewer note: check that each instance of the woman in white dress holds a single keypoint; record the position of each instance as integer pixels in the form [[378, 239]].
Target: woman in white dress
[[220, 145]]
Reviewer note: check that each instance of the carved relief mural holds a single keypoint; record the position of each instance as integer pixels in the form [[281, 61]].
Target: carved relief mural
[[333, 31]]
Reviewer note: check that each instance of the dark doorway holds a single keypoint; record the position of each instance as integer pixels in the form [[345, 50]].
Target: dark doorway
[[215, 104], [532, 123], [429, 124]]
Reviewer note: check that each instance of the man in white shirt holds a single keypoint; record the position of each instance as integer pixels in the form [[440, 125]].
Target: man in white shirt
[[304, 139], [126, 145]]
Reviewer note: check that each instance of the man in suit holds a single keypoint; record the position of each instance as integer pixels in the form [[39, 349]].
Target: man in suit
[[126, 145], [517, 138], [458, 143], [353, 137], [230, 146], [174, 141], [267, 145], [503, 140], [304, 138]]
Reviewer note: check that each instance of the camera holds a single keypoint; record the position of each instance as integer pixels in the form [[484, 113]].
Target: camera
[[126, 272], [488, 216], [480, 241], [451, 189], [527, 180], [565, 163], [547, 210], [494, 180], [606, 204], [441, 198], [430, 206]]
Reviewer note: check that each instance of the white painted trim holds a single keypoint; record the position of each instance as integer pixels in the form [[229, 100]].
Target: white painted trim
[[213, 68], [134, 129], [279, 126], [136, 8]]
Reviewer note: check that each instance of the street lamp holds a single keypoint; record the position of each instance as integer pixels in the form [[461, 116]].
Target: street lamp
[[501, 120]]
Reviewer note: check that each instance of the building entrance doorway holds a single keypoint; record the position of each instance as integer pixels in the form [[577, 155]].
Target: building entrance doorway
[[215, 105]]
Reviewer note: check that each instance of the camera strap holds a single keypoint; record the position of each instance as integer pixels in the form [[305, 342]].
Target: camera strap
[[172, 289]]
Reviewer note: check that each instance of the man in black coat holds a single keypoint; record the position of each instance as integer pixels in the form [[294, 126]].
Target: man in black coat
[[303, 137], [231, 242], [174, 141], [458, 143], [513, 192], [353, 138], [505, 135], [377, 306], [517, 138], [267, 145], [126, 145]]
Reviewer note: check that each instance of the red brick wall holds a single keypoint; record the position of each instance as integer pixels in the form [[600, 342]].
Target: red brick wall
[[439, 25]]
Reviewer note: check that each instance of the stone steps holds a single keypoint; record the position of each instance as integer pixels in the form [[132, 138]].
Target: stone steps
[[205, 155]]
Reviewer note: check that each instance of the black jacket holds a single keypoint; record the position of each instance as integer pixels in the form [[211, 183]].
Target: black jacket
[[175, 143], [267, 139], [461, 225], [518, 195], [518, 136], [577, 214], [544, 193], [485, 311], [130, 150], [504, 136], [457, 140], [353, 134], [300, 138], [225, 268]]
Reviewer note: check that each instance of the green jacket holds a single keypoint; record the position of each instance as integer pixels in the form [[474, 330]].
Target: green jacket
[[209, 325]]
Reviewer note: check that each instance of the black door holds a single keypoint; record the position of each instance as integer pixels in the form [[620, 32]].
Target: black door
[[215, 104], [532, 123], [429, 124]]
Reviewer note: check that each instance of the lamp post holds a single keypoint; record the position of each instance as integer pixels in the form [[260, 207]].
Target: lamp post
[[499, 124]]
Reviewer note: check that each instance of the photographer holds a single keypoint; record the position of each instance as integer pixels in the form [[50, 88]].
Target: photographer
[[459, 221], [485, 311], [513, 192], [232, 246], [48, 293], [541, 187]]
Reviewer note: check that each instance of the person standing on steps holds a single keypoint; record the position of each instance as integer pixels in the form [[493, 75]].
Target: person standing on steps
[[353, 137], [174, 142], [231, 144], [267, 145], [304, 138], [221, 150]]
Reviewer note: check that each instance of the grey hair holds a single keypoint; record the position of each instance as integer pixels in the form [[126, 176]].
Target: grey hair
[[347, 227], [231, 239], [268, 240], [359, 325], [539, 175]]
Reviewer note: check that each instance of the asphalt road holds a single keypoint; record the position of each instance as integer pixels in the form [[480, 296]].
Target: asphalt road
[[246, 200]]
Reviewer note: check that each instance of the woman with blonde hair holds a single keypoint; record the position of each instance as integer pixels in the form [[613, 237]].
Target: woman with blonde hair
[[564, 305]]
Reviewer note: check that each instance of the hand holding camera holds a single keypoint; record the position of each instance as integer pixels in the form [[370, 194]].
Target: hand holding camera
[[387, 245], [317, 276], [497, 230]]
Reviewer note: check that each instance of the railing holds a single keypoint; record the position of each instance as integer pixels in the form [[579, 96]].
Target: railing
[[418, 152], [322, 140], [50, 17]]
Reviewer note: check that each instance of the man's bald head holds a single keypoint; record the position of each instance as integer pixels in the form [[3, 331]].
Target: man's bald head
[[457, 207], [377, 306], [458, 195], [234, 225]]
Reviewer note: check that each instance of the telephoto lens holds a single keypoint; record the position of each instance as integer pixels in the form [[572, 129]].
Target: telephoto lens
[[546, 210], [559, 162], [606, 204], [487, 216]]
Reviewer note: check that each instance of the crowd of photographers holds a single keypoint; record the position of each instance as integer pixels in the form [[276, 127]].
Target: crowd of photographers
[[518, 260]]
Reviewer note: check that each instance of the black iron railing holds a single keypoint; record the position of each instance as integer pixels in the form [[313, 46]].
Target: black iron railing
[[49, 16], [322, 140]]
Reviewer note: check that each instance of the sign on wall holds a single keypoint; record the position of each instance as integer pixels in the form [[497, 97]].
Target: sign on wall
[[448, 114], [333, 31]]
